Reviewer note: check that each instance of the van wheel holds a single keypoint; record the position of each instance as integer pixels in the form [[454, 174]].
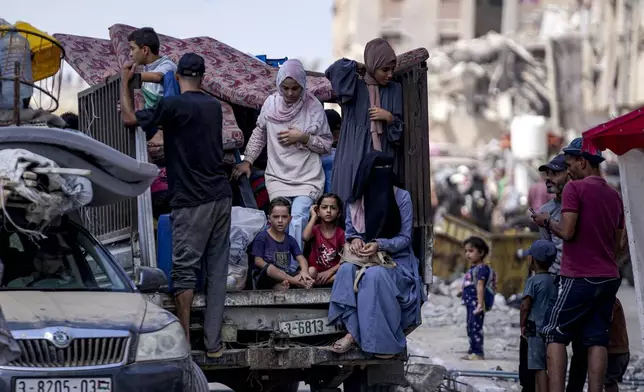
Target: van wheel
[[198, 380]]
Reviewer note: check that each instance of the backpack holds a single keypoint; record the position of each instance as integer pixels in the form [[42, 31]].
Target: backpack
[[490, 287]]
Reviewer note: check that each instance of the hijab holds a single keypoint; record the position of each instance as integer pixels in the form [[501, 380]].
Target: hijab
[[377, 54], [373, 206], [277, 109]]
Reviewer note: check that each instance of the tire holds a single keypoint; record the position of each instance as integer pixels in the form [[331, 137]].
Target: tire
[[198, 381]]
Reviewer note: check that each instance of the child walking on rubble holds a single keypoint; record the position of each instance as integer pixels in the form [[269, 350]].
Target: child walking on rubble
[[539, 291], [473, 294]]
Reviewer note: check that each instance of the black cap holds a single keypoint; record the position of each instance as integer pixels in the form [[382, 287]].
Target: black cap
[[191, 64], [557, 164], [543, 251]]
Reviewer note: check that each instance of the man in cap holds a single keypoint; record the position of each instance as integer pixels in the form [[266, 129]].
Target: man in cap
[[591, 226], [556, 176], [199, 191]]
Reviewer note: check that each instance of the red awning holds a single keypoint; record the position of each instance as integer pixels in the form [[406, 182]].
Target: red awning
[[619, 135]]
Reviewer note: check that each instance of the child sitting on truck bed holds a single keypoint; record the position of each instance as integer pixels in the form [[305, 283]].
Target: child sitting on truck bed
[[328, 238], [273, 249]]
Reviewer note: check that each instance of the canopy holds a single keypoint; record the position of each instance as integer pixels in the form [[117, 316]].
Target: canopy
[[46, 50], [619, 135]]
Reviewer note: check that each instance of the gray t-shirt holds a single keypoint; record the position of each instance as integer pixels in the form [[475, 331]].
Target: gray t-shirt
[[541, 288], [553, 207]]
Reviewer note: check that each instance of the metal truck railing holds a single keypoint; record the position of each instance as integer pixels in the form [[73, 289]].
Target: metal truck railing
[[413, 162], [99, 117]]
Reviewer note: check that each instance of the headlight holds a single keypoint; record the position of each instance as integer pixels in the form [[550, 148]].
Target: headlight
[[167, 343]]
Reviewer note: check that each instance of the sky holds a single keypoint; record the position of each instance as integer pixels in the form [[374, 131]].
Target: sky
[[278, 28]]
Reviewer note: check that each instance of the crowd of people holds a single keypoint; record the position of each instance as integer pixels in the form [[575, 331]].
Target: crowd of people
[[366, 221], [570, 296], [359, 236]]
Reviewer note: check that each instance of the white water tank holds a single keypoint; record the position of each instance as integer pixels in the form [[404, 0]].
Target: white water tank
[[529, 137]]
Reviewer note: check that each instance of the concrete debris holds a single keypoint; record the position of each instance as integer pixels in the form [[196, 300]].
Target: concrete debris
[[441, 341], [478, 70]]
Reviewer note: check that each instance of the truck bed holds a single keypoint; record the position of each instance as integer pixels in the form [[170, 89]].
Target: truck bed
[[290, 297]]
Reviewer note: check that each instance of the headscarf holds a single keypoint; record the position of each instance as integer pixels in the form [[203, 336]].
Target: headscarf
[[377, 54], [373, 207], [277, 109]]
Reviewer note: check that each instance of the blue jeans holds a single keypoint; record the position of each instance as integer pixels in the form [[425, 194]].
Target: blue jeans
[[300, 212]]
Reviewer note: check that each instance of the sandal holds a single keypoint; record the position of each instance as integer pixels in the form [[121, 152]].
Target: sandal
[[342, 345], [216, 354]]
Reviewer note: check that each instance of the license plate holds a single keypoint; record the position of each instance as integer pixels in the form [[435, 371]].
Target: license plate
[[309, 327], [63, 385]]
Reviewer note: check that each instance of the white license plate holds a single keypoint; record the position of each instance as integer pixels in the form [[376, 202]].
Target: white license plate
[[308, 327], [62, 385]]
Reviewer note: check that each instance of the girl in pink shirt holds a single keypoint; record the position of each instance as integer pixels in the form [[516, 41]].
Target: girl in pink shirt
[[328, 238]]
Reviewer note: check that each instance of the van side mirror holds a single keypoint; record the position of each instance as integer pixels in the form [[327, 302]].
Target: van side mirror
[[150, 280]]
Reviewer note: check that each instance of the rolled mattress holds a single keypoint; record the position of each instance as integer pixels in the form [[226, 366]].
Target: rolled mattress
[[114, 175]]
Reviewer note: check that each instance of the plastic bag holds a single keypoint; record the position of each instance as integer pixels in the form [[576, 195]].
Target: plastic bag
[[246, 223]]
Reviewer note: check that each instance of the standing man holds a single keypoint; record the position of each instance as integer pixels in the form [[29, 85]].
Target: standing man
[[555, 176], [199, 191], [591, 226]]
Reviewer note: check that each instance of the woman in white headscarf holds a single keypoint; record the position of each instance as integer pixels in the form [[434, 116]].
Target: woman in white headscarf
[[293, 127]]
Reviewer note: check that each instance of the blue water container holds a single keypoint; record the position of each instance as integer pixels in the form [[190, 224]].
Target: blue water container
[[272, 62], [327, 166], [164, 250]]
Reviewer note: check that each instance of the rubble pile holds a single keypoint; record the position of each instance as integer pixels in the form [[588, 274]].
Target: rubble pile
[[476, 71], [444, 318]]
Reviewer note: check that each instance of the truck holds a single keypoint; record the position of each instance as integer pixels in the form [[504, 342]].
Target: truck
[[275, 340]]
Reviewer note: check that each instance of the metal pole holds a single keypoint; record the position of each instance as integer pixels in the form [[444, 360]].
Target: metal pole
[[16, 93]]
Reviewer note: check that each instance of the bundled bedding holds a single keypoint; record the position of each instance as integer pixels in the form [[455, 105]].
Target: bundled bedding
[[113, 175]]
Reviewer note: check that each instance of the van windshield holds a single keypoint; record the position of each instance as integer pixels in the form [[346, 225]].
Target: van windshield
[[67, 260]]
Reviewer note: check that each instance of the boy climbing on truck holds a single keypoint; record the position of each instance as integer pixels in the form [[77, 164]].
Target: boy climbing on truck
[[144, 50], [273, 249]]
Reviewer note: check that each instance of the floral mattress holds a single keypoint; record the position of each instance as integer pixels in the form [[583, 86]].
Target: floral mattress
[[231, 75]]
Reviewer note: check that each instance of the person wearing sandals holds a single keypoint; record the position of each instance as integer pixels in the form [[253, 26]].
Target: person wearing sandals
[[387, 300]]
